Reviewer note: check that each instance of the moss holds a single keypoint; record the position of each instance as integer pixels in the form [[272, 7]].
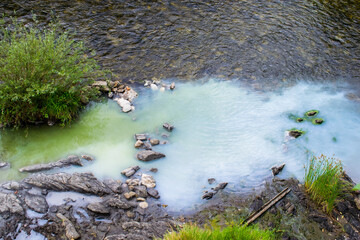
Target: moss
[[311, 113], [317, 121], [300, 119]]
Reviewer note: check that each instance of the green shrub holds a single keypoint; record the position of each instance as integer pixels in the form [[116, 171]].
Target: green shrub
[[44, 75], [323, 180], [357, 187], [231, 232]]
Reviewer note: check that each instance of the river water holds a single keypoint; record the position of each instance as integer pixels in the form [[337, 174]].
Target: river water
[[241, 68]]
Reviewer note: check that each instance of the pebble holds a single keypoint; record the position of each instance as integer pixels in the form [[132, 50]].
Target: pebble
[[143, 205]]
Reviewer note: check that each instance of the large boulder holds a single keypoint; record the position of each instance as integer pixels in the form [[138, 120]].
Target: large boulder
[[78, 182], [148, 155], [70, 160]]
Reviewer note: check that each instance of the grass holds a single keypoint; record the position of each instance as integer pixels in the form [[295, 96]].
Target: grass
[[230, 232], [45, 74], [322, 180]]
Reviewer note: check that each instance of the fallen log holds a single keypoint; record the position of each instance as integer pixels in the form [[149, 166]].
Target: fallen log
[[266, 206]]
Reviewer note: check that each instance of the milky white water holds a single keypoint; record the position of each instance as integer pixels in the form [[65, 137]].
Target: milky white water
[[222, 130]]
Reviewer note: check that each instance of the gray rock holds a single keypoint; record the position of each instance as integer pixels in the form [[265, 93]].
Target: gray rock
[[211, 180], [208, 195], [101, 85], [78, 182], [133, 182], [168, 126], [172, 86], [114, 185], [148, 155], [116, 237], [118, 203], [138, 144], [148, 181], [131, 225], [70, 230], [70, 160], [141, 136], [10, 203], [154, 170], [153, 193], [87, 157], [12, 185], [130, 171], [4, 164], [277, 169], [110, 95], [129, 195], [98, 208], [141, 191], [154, 141], [147, 146], [220, 186], [36, 203]]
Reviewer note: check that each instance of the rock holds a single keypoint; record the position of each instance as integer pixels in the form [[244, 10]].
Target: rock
[[70, 230], [148, 155], [154, 170], [211, 180], [162, 89], [129, 195], [12, 185], [148, 181], [110, 95], [277, 169], [295, 133], [36, 203], [168, 126], [130, 171], [172, 86], [130, 214], [153, 87], [101, 85], [87, 157], [357, 202], [117, 237], [140, 199], [78, 182], [138, 144], [118, 203], [141, 136], [4, 164], [147, 83], [154, 141], [220, 186], [141, 191], [147, 146], [10, 203], [125, 105], [143, 205], [129, 94], [70, 160], [133, 182], [208, 195], [153, 193], [114, 185], [98, 208]]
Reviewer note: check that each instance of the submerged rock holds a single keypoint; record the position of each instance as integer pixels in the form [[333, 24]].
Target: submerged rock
[[317, 121], [277, 169], [70, 230], [130, 171], [148, 155], [311, 113], [168, 126], [208, 195], [36, 203], [78, 182], [70, 160], [211, 180], [295, 133]]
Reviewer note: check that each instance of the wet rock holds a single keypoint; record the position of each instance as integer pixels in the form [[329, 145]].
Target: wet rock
[[153, 193], [168, 126], [130, 171], [118, 203], [141, 191], [133, 182], [148, 155], [140, 199], [125, 105], [148, 180], [98, 208], [154, 141], [70, 160], [211, 180], [114, 185], [277, 169], [172, 86], [153, 87], [87, 157], [357, 202], [10, 203], [12, 185], [154, 170], [78, 182], [141, 136], [311, 113], [36, 203], [129, 94], [143, 205], [70, 230], [295, 133], [110, 95], [208, 195], [4, 164], [129, 195], [220, 186], [139, 144], [147, 146], [147, 83]]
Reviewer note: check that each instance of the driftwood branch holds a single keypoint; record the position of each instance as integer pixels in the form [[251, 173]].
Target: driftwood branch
[[267, 205]]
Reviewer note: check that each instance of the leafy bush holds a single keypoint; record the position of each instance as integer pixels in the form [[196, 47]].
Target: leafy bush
[[231, 232], [44, 75], [323, 180]]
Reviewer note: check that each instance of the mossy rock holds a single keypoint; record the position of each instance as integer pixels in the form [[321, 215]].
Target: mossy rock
[[311, 113], [299, 119], [296, 132], [317, 121]]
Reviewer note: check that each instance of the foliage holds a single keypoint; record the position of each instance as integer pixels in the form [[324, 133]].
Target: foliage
[[322, 180], [357, 187], [231, 232], [45, 74]]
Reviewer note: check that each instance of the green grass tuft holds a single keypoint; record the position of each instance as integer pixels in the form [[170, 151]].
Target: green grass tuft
[[323, 180], [44, 74], [230, 232]]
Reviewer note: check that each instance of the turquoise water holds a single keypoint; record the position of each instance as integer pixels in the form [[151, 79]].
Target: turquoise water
[[222, 130]]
